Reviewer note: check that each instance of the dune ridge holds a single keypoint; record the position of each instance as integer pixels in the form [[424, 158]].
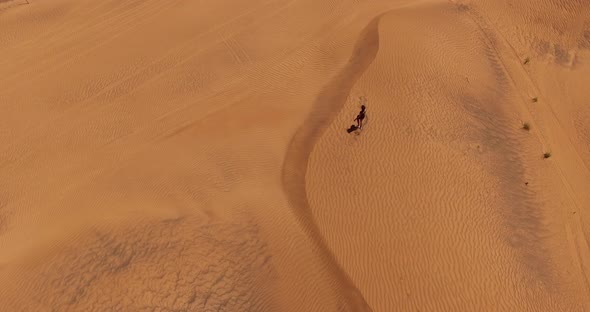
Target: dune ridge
[[327, 104], [7, 4]]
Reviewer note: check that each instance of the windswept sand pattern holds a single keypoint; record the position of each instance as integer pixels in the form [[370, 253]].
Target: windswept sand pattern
[[167, 274], [192, 155]]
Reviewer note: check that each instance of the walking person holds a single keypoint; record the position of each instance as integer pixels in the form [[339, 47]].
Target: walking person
[[359, 118]]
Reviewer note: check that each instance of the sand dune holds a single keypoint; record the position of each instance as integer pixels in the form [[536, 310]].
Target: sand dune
[[192, 155]]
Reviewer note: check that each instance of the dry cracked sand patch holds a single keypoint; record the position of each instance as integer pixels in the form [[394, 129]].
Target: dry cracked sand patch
[[192, 156]]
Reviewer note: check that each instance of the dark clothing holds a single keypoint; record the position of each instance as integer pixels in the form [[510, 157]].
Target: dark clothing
[[359, 118]]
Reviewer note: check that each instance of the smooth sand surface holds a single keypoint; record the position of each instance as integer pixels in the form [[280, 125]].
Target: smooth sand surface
[[193, 155]]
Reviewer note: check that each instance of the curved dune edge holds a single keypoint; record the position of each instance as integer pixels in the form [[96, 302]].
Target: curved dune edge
[[326, 106]]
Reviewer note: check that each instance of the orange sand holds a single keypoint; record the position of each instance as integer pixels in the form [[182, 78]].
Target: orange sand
[[192, 155]]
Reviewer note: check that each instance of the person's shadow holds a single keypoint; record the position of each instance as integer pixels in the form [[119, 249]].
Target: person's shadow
[[352, 128]]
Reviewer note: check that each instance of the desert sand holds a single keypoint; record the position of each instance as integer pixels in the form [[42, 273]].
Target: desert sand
[[192, 155]]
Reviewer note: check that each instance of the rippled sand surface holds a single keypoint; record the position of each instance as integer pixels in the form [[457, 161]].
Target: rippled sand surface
[[193, 155]]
